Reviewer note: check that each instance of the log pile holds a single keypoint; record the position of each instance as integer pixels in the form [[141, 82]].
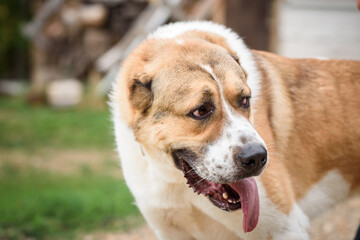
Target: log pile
[[68, 36], [80, 39]]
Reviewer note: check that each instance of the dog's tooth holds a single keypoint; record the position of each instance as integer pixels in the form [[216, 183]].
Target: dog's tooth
[[225, 195], [230, 201]]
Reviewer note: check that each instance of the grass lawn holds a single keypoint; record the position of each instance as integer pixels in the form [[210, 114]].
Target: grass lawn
[[41, 203], [31, 127]]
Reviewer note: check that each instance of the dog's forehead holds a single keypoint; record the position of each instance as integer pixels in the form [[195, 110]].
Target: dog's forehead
[[191, 62], [199, 83], [176, 52], [184, 84]]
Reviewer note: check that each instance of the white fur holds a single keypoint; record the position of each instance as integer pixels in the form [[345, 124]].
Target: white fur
[[179, 41], [278, 225], [331, 189]]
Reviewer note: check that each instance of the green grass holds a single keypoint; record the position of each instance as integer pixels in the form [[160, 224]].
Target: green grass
[[28, 127], [40, 204], [43, 206]]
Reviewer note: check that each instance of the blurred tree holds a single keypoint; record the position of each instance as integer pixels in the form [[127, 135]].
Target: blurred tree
[[14, 48]]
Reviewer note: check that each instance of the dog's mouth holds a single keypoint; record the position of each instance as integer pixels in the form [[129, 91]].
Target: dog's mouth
[[221, 195], [229, 197]]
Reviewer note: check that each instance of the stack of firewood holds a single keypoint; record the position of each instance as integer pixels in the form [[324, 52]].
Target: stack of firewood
[[68, 36], [84, 39]]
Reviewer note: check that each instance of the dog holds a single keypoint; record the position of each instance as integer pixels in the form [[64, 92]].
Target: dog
[[217, 141]]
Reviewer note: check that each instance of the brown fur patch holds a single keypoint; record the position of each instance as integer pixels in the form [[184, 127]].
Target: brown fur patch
[[324, 130], [140, 93]]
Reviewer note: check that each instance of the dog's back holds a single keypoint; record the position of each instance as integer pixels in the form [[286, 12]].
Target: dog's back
[[312, 108]]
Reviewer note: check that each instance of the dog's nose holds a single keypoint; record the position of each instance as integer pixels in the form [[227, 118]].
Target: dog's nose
[[252, 157]]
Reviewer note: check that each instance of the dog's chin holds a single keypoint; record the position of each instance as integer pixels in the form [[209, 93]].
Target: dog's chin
[[221, 195]]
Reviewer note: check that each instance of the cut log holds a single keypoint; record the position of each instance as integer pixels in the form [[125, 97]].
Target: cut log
[[64, 92], [33, 29], [93, 15], [153, 16]]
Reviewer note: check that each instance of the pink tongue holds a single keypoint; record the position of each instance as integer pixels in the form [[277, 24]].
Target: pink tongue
[[249, 197]]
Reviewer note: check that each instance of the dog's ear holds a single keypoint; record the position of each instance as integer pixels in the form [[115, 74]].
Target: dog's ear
[[234, 56], [231, 52], [141, 95], [220, 41]]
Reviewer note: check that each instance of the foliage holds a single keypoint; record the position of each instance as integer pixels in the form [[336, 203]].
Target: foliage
[[14, 47]]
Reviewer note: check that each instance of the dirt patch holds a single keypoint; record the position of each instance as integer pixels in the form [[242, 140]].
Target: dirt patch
[[141, 233], [63, 161]]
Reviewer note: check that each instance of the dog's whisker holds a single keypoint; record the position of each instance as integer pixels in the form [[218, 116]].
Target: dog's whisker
[[271, 146], [189, 171], [200, 181], [274, 153]]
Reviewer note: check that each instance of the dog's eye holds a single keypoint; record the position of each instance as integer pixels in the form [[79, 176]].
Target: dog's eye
[[202, 112], [245, 102]]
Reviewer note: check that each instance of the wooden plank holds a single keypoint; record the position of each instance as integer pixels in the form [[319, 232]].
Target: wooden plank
[[153, 16], [218, 12], [202, 10], [33, 29], [250, 19]]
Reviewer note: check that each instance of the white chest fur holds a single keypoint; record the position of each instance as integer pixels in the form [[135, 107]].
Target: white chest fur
[[331, 189]]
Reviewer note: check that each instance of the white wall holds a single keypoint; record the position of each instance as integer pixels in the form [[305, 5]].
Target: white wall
[[317, 28]]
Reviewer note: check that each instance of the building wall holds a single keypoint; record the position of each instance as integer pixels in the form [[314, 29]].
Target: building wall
[[317, 28]]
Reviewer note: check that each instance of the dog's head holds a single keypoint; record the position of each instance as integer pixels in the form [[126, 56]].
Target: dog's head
[[189, 98]]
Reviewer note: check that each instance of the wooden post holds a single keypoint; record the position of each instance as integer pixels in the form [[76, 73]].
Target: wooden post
[[219, 12], [250, 19]]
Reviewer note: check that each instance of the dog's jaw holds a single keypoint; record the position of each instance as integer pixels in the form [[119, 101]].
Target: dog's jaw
[[229, 197]]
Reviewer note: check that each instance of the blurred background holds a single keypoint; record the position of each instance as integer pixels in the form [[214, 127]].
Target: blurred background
[[59, 173]]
